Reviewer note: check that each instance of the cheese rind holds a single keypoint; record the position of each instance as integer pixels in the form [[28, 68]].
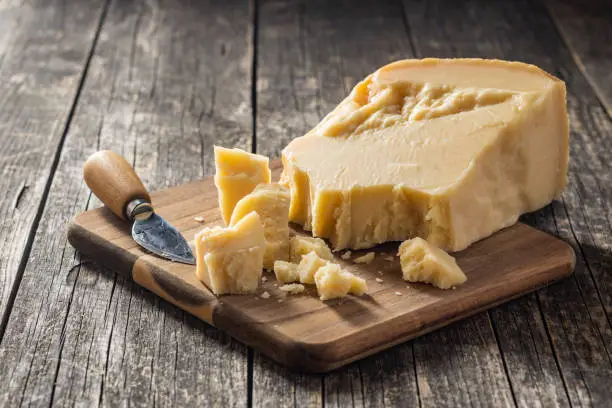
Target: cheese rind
[[423, 262], [334, 282], [237, 174], [271, 202], [301, 245], [449, 150], [230, 260]]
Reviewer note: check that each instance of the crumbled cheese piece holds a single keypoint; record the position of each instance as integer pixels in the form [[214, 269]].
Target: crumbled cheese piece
[[199, 219], [293, 288], [390, 258], [423, 262], [300, 245], [286, 272], [334, 282], [264, 279], [265, 295], [379, 280], [365, 259], [346, 256], [398, 293], [308, 266]]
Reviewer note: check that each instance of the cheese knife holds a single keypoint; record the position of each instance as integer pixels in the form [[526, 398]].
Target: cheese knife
[[111, 178]]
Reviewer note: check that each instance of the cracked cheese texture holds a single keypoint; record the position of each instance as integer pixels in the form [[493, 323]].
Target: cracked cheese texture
[[271, 202], [423, 262], [334, 282], [237, 174], [230, 260], [308, 266], [286, 272], [300, 246], [449, 150]]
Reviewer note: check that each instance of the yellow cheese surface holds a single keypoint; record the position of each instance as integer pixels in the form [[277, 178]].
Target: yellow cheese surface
[[423, 262], [286, 272], [237, 174], [300, 246], [334, 282], [271, 202], [230, 260], [308, 266], [449, 150]]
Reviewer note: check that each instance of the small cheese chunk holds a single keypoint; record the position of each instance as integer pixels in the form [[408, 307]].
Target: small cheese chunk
[[286, 272], [365, 259], [423, 262], [292, 288], [334, 282], [271, 202], [237, 174], [230, 260], [308, 266], [301, 245], [451, 150]]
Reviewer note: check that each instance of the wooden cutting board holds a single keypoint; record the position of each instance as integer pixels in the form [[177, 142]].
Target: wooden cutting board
[[300, 331]]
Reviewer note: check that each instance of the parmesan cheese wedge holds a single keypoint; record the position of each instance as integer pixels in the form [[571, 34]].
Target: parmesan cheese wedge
[[450, 150]]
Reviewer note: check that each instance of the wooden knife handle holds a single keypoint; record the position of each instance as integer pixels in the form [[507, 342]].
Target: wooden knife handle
[[111, 178]]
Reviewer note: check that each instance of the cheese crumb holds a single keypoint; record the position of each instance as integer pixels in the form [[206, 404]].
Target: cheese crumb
[[308, 266], [199, 219], [365, 259], [423, 262], [390, 258], [379, 280], [264, 279], [286, 272], [398, 293], [300, 246], [265, 295], [293, 288], [346, 256], [334, 282]]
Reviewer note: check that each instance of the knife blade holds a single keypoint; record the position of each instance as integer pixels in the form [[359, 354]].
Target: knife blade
[[111, 178]]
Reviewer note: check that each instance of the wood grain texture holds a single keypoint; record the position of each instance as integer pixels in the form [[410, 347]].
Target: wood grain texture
[[555, 344], [43, 50], [313, 336], [167, 79], [585, 27]]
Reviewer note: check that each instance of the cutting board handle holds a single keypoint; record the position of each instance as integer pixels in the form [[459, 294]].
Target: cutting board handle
[[111, 178]]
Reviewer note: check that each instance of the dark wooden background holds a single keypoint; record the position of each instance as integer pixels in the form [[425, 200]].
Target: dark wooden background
[[161, 82]]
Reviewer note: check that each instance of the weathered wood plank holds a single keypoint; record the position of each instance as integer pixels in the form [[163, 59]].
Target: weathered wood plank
[[309, 56], [575, 312], [167, 79], [586, 29], [43, 49]]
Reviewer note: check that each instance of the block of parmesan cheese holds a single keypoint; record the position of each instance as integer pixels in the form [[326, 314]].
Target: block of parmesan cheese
[[449, 150], [230, 260], [271, 202], [237, 174], [423, 262]]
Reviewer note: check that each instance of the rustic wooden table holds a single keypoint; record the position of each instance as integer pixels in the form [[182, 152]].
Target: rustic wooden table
[[161, 82]]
